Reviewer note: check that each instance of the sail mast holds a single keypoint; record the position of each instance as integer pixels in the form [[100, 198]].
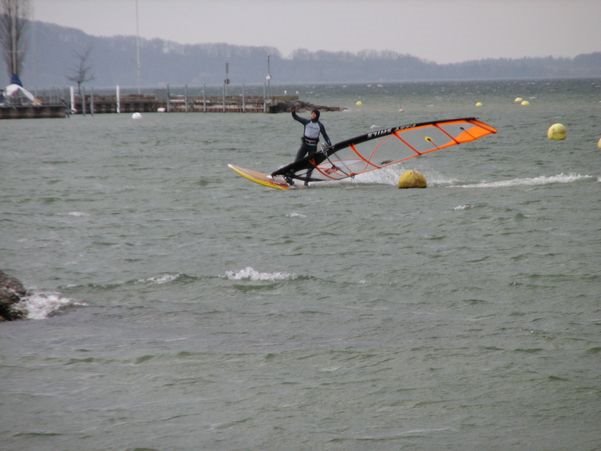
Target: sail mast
[[13, 40], [137, 48]]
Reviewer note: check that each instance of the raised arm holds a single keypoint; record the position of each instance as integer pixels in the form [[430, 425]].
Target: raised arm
[[302, 120]]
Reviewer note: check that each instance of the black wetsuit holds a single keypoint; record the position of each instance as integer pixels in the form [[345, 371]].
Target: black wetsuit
[[310, 138]]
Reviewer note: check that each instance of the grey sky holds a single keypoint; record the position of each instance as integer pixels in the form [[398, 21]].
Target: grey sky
[[437, 30]]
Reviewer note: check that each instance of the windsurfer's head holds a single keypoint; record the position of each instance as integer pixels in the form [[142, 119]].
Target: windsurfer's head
[[315, 115]]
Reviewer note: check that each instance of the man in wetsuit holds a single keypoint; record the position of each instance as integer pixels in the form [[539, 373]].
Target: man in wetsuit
[[310, 139]]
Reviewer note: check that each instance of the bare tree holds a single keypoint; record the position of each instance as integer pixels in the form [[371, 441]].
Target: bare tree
[[82, 72], [13, 22]]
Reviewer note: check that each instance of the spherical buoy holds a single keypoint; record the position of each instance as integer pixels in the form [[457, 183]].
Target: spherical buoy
[[525, 103], [412, 179], [557, 132], [136, 116], [358, 103], [479, 104], [518, 100]]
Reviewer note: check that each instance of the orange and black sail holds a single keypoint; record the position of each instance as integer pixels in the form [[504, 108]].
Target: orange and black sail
[[386, 147]]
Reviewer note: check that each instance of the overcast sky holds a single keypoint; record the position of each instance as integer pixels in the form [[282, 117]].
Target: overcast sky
[[437, 30]]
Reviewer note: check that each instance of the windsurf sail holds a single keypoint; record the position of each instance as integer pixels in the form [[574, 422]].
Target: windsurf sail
[[385, 147]]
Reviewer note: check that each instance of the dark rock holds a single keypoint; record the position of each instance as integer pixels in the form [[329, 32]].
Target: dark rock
[[12, 283], [11, 293]]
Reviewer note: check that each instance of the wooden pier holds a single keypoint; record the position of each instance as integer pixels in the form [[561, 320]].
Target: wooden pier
[[33, 112], [137, 103]]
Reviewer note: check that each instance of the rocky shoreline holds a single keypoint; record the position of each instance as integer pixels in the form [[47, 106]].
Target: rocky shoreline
[[12, 293]]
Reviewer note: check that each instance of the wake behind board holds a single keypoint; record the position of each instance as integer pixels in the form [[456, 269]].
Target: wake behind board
[[260, 178]]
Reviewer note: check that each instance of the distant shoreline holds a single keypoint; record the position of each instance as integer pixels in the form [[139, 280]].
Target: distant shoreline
[[51, 51]]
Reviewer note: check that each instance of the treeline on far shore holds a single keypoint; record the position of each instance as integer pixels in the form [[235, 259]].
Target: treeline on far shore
[[52, 54]]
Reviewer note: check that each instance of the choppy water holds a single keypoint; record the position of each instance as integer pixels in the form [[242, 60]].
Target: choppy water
[[177, 306]]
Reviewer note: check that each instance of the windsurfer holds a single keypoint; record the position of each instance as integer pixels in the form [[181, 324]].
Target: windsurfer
[[312, 129]]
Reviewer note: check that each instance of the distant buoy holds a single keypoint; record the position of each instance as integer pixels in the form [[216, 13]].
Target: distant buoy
[[136, 116], [358, 103], [161, 109], [479, 104], [525, 103], [518, 100], [412, 179], [599, 144], [557, 132]]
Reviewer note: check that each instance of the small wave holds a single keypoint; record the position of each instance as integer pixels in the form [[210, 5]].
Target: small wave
[[384, 176], [77, 214], [296, 215], [533, 181], [41, 305], [393, 436], [462, 207], [435, 178], [161, 279], [250, 273]]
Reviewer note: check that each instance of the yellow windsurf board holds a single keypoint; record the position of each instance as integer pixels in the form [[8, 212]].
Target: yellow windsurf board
[[260, 178]]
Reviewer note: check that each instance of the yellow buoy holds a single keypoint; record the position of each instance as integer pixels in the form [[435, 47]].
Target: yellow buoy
[[599, 144], [358, 103], [518, 100], [479, 104], [525, 103], [412, 179], [557, 132]]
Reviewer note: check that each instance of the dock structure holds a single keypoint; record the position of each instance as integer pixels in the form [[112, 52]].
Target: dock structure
[[232, 104], [33, 111], [134, 103], [138, 103], [48, 107]]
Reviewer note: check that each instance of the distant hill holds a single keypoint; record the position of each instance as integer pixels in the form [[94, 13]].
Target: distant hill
[[51, 56]]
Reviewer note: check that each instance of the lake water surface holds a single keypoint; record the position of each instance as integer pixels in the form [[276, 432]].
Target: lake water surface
[[176, 306]]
